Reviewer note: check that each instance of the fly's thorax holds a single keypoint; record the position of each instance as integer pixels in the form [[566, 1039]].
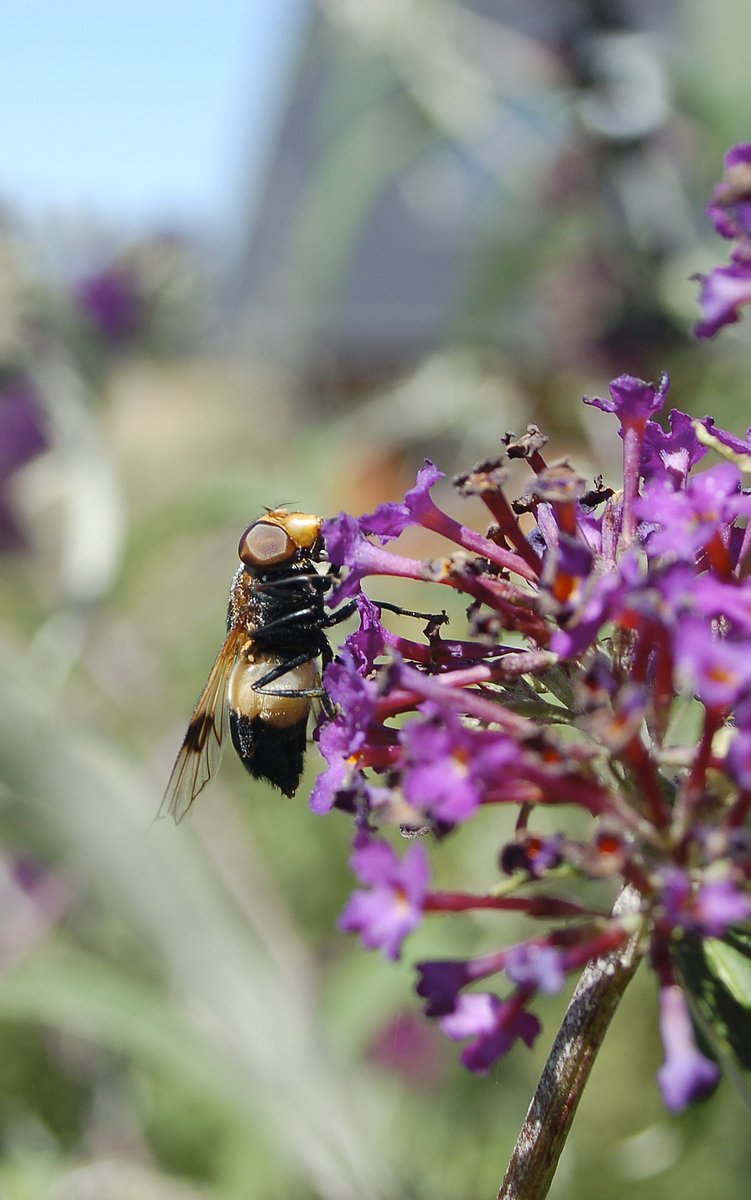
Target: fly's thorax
[[261, 598], [279, 711]]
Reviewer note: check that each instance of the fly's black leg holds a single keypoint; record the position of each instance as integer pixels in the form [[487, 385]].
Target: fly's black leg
[[292, 693], [298, 617], [350, 607], [327, 656], [282, 669], [341, 614], [437, 618]]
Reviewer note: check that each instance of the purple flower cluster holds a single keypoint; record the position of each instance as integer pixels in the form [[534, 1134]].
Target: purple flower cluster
[[607, 668], [726, 289]]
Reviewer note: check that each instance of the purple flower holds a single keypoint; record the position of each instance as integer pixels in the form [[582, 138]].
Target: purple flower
[[389, 520], [354, 696], [713, 597], [440, 983], [677, 895], [729, 441], [409, 1048], [342, 774], [493, 1024], [392, 908], [417, 508], [370, 641], [567, 568], [23, 425], [538, 967], [347, 547], [730, 205], [718, 905], [726, 289], [672, 454], [447, 768], [341, 738], [687, 521], [600, 601], [686, 1074], [533, 854], [719, 668], [342, 538], [723, 292], [632, 400], [707, 908]]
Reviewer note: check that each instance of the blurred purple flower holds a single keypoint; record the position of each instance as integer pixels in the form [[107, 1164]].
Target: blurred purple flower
[[533, 854], [112, 303], [24, 434], [686, 1075], [729, 207], [689, 519], [392, 908], [538, 967], [724, 291], [33, 899], [411, 1049], [493, 1024], [440, 982], [718, 668], [707, 909]]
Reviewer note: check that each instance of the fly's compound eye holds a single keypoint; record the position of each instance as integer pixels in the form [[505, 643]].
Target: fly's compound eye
[[266, 545]]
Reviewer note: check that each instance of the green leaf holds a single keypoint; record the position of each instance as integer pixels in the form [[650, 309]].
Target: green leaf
[[717, 976], [732, 967]]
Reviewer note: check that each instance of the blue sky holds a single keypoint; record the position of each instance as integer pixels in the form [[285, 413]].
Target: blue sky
[[141, 111]]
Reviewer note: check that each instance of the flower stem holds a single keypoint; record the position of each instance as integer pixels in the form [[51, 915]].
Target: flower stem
[[551, 1113]]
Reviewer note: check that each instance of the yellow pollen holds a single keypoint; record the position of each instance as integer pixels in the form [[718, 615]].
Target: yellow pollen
[[722, 674]]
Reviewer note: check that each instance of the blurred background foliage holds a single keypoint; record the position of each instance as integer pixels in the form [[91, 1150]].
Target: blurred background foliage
[[469, 215]]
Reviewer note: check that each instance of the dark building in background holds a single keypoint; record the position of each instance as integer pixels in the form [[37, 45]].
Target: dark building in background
[[419, 169]]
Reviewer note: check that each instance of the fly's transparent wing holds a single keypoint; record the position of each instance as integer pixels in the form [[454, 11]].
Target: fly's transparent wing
[[201, 751]]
